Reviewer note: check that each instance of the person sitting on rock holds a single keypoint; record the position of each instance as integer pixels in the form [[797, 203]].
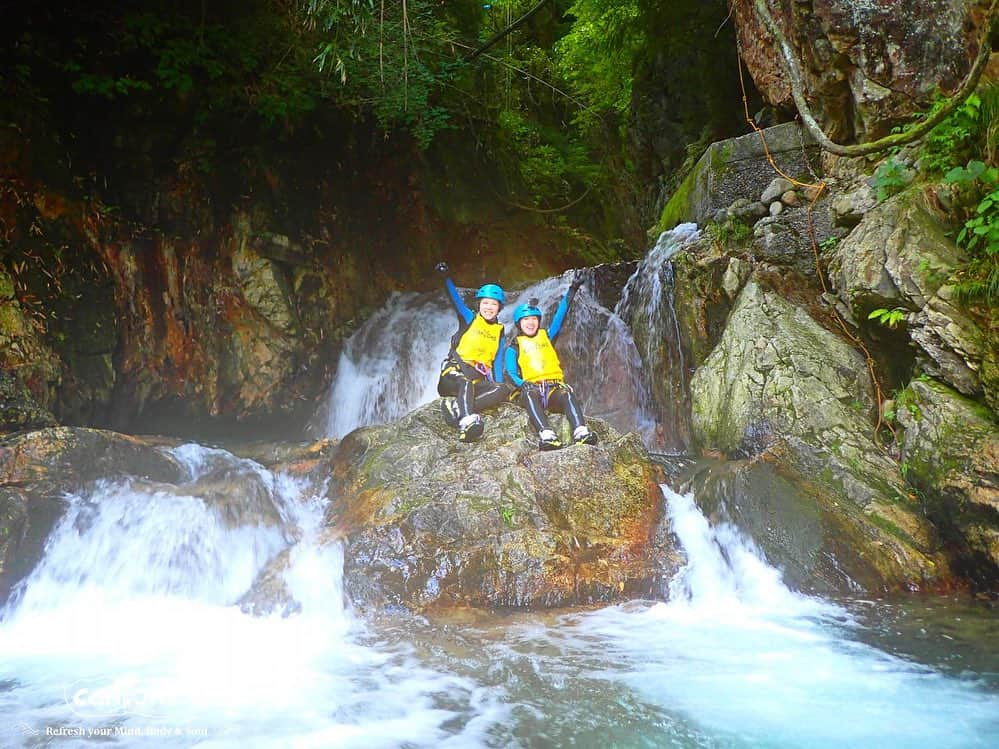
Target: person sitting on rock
[[533, 366], [471, 378]]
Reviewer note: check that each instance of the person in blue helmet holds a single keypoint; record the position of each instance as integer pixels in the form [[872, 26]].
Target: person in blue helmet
[[471, 378], [533, 366]]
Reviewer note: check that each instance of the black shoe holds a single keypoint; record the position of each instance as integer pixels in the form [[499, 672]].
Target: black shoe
[[473, 431], [449, 411], [584, 435]]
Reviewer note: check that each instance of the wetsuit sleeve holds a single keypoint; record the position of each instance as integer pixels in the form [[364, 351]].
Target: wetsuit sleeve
[[459, 304], [512, 369], [559, 317], [499, 362]]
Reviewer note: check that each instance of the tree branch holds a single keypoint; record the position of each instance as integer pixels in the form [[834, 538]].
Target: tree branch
[[895, 139], [512, 27]]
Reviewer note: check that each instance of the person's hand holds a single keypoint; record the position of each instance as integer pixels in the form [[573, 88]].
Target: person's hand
[[441, 268]]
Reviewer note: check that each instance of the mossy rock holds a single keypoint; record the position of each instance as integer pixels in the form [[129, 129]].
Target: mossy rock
[[429, 521]]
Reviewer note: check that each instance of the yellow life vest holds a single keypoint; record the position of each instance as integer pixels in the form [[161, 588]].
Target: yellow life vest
[[537, 358], [480, 342]]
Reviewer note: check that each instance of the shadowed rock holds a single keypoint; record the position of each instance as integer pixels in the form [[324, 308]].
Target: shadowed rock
[[780, 386]]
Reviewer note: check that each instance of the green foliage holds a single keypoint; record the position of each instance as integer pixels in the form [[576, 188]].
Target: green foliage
[[889, 317], [730, 232], [829, 244], [230, 66], [970, 137], [979, 281], [890, 178], [596, 57], [544, 104], [960, 136]]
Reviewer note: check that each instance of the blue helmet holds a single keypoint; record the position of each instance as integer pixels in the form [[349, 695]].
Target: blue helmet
[[530, 309], [491, 291]]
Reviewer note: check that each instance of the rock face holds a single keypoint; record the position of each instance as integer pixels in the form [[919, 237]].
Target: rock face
[[18, 409], [899, 257], [737, 169], [431, 521], [780, 385], [951, 451], [820, 545], [867, 66], [37, 366]]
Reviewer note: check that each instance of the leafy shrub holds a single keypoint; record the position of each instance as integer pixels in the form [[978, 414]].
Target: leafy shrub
[[889, 317], [980, 234], [890, 178]]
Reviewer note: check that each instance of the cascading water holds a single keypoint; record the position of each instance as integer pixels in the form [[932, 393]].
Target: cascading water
[[129, 631], [391, 365], [735, 659], [647, 305], [126, 634]]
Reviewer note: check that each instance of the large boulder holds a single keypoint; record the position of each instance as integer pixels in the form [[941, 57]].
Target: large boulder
[[429, 521], [780, 386], [899, 258], [820, 545], [867, 66], [950, 449]]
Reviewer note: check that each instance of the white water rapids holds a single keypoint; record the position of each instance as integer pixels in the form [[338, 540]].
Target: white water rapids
[[127, 634]]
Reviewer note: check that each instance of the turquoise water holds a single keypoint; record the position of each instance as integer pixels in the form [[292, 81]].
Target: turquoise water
[[126, 635]]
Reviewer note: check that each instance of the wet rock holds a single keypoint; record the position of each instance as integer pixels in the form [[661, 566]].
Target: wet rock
[[779, 385], [798, 525], [950, 447], [430, 521]]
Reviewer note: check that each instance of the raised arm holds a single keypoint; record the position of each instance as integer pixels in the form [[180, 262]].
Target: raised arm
[[456, 299], [563, 307]]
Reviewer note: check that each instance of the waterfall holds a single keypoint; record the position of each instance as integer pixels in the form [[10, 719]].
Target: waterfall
[[391, 364], [126, 634], [724, 568], [648, 307], [599, 357]]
